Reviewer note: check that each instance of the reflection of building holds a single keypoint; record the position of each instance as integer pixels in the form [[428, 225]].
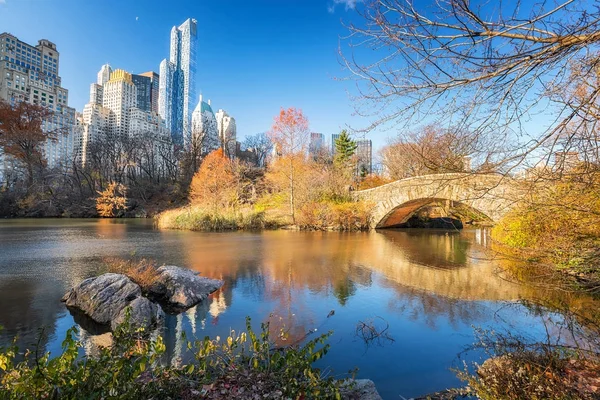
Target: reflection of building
[[178, 82], [317, 143], [364, 154], [31, 74]]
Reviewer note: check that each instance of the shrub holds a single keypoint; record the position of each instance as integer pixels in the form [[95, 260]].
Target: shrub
[[112, 202], [143, 272], [345, 216], [244, 365]]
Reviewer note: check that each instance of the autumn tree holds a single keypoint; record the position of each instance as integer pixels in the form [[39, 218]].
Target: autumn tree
[[23, 135], [290, 135], [112, 202], [215, 184]]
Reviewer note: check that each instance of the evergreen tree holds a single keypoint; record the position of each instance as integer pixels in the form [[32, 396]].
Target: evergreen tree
[[345, 148]]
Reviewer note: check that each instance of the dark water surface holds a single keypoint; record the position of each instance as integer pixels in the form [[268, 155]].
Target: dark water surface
[[430, 287]]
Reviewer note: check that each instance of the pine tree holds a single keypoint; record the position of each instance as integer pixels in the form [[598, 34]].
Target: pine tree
[[345, 148]]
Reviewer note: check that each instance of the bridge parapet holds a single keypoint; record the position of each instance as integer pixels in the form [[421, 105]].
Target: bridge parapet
[[491, 194]]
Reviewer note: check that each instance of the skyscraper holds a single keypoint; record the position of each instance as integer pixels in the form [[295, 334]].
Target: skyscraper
[[317, 143], [30, 74], [154, 87], [120, 94], [177, 88], [364, 154], [227, 133], [204, 128]]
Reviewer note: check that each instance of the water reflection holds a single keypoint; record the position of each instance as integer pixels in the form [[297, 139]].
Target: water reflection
[[431, 287]]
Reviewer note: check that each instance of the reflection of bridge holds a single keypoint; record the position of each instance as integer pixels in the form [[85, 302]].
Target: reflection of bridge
[[394, 203]]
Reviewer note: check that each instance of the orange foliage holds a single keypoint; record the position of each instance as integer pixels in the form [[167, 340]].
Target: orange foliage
[[372, 181], [290, 133], [112, 202], [214, 185]]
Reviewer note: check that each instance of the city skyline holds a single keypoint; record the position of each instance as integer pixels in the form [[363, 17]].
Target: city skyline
[[234, 69]]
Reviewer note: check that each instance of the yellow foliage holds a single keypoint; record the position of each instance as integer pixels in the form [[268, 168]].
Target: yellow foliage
[[112, 202], [559, 221]]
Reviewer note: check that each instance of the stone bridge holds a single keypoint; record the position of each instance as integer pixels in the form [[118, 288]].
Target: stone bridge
[[492, 195]]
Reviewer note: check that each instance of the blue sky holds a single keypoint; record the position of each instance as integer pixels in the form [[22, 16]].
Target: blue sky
[[253, 56]]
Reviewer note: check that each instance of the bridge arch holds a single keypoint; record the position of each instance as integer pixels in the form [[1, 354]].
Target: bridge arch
[[489, 194]]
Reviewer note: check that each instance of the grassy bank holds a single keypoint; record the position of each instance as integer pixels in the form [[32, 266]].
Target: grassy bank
[[322, 216], [196, 218]]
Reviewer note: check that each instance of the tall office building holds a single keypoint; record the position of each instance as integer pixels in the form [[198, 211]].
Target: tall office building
[[119, 95], [227, 133], [334, 137], [364, 154], [30, 74], [154, 88], [177, 85], [317, 143], [104, 74]]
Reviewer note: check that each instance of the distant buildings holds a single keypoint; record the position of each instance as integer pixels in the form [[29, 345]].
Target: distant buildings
[[364, 155], [177, 86], [114, 109], [227, 133], [30, 73], [317, 143], [204, 128], [147, 85], [334, 138]]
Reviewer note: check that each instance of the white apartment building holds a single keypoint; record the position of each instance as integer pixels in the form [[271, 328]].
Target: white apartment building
[[30, 74], [227, 132]]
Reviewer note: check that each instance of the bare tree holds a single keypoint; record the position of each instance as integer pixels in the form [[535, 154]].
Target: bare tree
[[261, 145], [426, 151], [486, 68]]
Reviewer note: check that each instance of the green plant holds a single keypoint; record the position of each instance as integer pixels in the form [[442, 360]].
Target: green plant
[[243, 364]]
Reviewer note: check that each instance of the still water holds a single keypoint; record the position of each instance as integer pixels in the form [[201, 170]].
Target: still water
[[431, 288]]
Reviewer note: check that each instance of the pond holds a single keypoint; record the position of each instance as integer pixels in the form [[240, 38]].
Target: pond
[[430, 287]]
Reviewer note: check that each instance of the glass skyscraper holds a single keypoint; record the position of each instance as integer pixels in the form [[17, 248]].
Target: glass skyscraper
[[177, 86]]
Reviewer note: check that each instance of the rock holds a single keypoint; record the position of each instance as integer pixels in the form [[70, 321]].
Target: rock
[[178, 289], [360, 389], [105, 298]]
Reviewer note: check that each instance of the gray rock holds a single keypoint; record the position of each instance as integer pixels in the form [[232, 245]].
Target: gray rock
[[360, 389], [178, 288], [105, 298]]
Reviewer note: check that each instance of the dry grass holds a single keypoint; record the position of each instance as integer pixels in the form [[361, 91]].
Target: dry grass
[[533, 375], [144, 272]]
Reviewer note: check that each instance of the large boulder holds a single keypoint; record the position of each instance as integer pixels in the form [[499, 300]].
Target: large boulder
[[105, 299], [178, 289]]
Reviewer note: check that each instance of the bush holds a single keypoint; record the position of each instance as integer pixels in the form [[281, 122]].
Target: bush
[[243, 366], [346, 216], [143, 272], [559, 225]]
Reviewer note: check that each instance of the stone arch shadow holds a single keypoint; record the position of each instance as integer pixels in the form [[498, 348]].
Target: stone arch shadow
[[402, 213]]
